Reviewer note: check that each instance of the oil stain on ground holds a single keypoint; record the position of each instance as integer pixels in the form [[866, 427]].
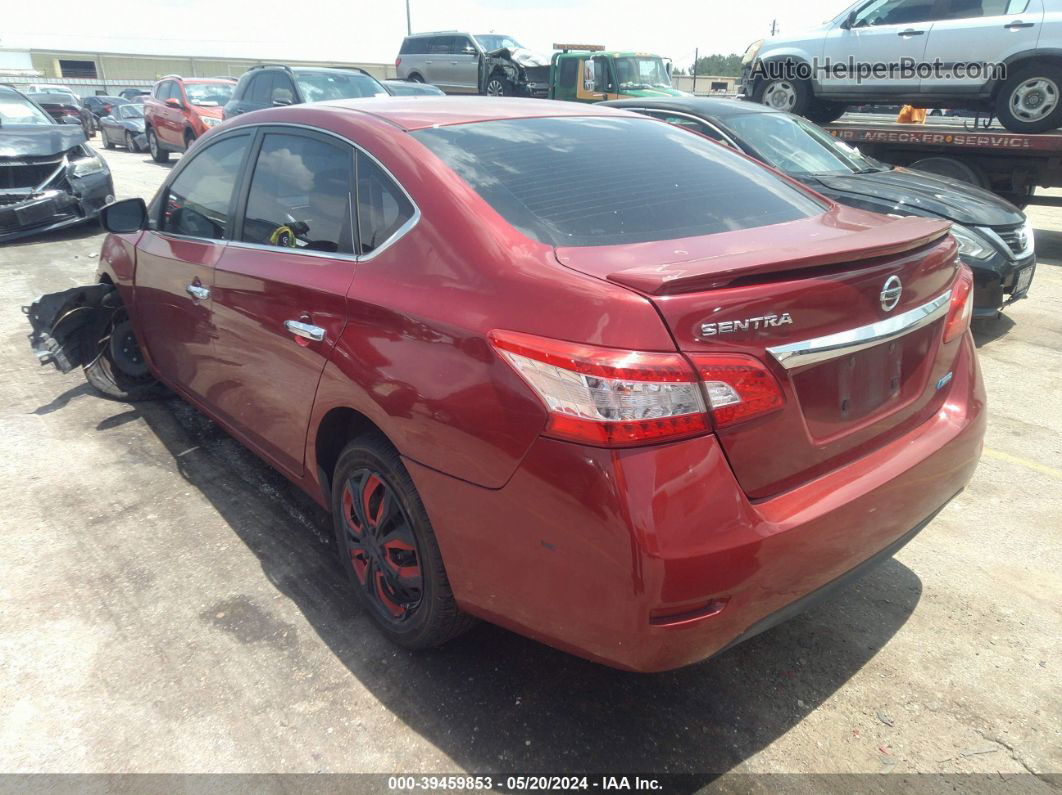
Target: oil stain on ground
[[249, 623]]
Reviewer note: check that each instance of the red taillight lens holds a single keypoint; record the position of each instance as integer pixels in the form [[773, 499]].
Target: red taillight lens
[[960, 310], [739, 387], [398, 62], [605, 396]]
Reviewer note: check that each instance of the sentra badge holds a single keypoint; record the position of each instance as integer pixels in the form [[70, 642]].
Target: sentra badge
[[748, 324]]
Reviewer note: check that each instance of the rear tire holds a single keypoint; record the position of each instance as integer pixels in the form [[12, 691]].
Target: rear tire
[[952, 167], [158, 154], [107, 144], [825, 112], [415, 78], [388, 549], [1030, 101]]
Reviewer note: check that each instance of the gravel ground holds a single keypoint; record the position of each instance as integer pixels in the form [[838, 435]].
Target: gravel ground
[[169, 604]]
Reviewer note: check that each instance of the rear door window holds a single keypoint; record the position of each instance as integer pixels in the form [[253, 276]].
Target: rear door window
[[590, 181], [383, 208], [440, 45], [198, 202], [300, 194]]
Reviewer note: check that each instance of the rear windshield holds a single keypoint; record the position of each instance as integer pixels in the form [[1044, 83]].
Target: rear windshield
[[321, 86], [589, 181]]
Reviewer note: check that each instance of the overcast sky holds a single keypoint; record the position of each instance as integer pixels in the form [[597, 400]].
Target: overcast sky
[[372, 30]]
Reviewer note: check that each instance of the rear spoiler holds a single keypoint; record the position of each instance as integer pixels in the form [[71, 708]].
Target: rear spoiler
[[708, 273]]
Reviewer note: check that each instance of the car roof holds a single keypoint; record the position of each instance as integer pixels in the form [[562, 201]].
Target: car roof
[[416, 113], [718, 107]]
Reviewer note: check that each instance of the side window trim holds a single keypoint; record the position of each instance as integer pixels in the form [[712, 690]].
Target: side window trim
[[156, 210]]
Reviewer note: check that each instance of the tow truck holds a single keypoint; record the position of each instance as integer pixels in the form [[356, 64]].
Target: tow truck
[[970, 149], [589, 73]]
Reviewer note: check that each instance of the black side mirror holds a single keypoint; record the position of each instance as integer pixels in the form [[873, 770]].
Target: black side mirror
[[125, 216], [849, 23]]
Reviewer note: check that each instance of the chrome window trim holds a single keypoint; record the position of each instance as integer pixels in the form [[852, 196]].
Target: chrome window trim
[[832, 346], [287, 250]]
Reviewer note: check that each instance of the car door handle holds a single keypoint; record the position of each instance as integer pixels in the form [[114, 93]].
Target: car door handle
[[198, 292], [300, 329], [1017, 25], [911, 32]]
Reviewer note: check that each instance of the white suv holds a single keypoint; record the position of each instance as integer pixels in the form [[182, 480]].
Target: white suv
[[999, 55]]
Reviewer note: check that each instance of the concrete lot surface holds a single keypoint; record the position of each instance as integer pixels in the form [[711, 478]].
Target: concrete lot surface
[[168, 603]]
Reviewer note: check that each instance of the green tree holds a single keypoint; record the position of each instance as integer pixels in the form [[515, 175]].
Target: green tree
[[719, 64]]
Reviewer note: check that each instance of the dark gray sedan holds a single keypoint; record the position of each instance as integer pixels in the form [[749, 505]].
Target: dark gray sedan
[[995, 239], [124, 127]]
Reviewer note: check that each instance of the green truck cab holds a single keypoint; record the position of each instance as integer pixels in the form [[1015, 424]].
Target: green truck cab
[[587, 73]]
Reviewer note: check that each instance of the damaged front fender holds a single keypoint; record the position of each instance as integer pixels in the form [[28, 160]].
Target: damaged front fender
[[70, 327]]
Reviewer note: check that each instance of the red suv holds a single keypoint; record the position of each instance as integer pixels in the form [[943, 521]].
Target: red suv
[[561, 367], [180, 109]]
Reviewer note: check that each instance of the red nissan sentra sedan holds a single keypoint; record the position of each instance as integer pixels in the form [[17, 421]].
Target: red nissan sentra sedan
[[567, 369]]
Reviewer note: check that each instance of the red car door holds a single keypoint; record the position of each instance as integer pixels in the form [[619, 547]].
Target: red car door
[[176, 260], [171, 130], [279, 291]]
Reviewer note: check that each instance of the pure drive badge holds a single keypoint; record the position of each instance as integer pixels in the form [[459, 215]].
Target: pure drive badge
[[749, 323]]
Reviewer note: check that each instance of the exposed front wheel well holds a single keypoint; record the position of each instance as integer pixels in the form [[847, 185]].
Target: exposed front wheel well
[[335, 431]]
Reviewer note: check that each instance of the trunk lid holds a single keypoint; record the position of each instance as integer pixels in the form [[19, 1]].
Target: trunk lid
[[790, 285]]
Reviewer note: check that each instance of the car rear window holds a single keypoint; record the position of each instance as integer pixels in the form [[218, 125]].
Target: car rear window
[[323, 86], [588, 181]]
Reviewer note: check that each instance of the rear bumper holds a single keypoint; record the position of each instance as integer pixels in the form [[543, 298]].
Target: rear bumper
[[653, 558]]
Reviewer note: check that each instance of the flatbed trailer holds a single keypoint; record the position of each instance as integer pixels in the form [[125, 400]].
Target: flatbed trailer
[[1010, 164]]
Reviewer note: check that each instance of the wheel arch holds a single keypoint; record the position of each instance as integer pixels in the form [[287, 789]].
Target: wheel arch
[[1049, 55], [336, 428]]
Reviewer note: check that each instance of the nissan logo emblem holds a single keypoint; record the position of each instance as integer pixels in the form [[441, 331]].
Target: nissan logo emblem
[[890, 293]]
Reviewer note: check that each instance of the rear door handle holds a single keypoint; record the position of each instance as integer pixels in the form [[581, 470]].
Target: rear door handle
[[300, 329], [911, 32], [1017, 25], [198, 292]]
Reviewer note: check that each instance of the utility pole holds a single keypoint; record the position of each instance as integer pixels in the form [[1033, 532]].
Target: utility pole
[[696, 55], [774, 22], [409, 26]]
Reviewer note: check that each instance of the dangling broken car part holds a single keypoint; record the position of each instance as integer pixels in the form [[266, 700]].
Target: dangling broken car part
[[70, 328]]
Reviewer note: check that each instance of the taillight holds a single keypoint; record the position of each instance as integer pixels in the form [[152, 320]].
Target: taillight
[[605, 396], [960, 310], [739, 387], [398, 62]]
